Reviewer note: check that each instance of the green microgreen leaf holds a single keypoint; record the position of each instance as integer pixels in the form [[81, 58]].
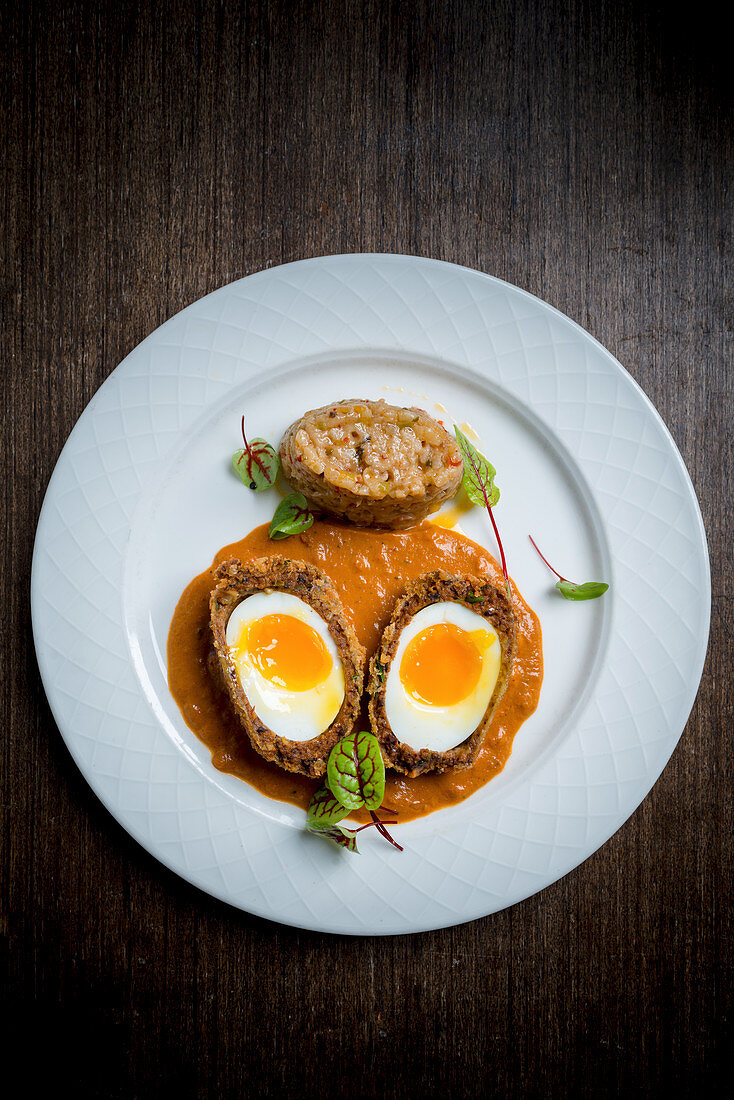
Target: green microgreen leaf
[[257, 463], [589, 590], [292, 516], [361, 782], [570, 590], [479, 474], [258, 467], [345, 838], [324, 809], [355, 771]]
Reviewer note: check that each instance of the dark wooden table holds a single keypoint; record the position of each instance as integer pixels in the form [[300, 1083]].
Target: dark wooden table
[[153, 152]]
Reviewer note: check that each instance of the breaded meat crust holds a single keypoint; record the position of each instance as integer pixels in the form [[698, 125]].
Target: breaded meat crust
[[479, 596], [235, 582]]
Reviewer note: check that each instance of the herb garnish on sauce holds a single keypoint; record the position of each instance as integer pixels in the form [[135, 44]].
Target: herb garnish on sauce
[[355, 779]]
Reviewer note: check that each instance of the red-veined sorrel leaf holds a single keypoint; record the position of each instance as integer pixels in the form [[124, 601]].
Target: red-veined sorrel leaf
[[341, 836], [292, 516], [256, 464], [260, 474], [478, 482], [479, 474], [355, 771], [324, 809]]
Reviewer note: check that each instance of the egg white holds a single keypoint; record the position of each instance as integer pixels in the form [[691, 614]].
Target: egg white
[[439, 728], [297, 715]]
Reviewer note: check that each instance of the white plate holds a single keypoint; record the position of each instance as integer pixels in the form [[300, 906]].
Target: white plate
[[143, 496]]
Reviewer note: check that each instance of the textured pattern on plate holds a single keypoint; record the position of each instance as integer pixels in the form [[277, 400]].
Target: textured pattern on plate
[[595, 777]]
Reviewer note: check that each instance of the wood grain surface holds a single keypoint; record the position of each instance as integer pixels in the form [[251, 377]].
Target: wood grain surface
[[153, 152]]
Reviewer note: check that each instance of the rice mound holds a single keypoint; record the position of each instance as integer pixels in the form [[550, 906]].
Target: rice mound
[[375, 464]]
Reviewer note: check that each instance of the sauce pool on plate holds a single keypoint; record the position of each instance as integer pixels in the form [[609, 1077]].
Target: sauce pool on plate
[[370, 569]]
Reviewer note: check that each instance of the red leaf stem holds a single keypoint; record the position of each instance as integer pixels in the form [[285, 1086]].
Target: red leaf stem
[[358, 770], [251, 454], [547, 562], [381, 828], [370, 824], [480, 482]]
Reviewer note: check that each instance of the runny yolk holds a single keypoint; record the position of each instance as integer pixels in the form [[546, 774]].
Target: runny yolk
[[287, 651], [441, 665]]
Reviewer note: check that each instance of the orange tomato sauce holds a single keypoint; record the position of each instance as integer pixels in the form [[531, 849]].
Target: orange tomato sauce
[[370, 570]]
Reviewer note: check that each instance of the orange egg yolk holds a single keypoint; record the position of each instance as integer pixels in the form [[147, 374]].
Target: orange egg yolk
[[441, 665], [288, 652]]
